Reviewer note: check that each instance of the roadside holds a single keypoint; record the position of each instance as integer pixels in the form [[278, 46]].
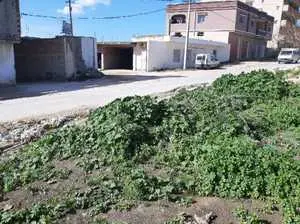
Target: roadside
[[44, 99]]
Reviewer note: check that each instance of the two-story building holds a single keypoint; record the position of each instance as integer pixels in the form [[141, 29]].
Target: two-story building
[[245, 28], [9, 35]]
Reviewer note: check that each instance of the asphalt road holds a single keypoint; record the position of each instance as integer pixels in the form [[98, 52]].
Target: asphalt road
[[43, 99]]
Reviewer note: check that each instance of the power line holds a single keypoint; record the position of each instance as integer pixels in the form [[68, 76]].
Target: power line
[[95, 18]]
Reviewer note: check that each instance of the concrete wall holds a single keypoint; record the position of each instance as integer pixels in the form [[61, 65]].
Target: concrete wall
[[40, 59], [111, 58], [246, 48], [117, 57], [89, 52], [54, 59], [140, 59], [10, 20], [7, 64]]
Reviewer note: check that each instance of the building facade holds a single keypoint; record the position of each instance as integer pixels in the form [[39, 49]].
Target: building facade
[[10, 34], [153, 53], [245, 28], [59, 58], [286, 31]]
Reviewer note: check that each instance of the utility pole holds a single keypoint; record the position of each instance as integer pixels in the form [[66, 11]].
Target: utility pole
[[70, 13], [187, 36]]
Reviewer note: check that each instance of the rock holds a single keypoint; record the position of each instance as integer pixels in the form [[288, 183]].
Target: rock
[[52, 182], [206, 219], [189, 219], [7, 207]]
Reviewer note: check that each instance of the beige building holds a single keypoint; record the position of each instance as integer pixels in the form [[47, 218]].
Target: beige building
[[245, 28], [287, 18], [9, 35]]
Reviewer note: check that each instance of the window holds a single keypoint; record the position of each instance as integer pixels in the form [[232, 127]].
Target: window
[[277, 7], [201, 18], [200, 34], [177, 19], [176, 56], [242, 19], [215, 53], [178, 34], [252, 23]]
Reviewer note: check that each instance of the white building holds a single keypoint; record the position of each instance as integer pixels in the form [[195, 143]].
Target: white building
[[151, 53]]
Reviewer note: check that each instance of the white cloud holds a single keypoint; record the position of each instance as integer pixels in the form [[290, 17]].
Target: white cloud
[[79, 5]]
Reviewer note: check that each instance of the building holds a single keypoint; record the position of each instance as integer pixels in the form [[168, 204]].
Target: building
[[59, 58], [245, 28], [156, 52], [152, 53], [286, 30], [9, 35]]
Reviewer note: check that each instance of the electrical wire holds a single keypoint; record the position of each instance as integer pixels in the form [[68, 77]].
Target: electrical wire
[[96, 18]]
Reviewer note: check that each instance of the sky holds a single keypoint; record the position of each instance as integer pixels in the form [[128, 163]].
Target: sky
[[104, 30]]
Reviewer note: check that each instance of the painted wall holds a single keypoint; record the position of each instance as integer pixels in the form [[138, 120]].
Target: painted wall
[[215, 36], [214, 21], [160, 55], [7, 64]]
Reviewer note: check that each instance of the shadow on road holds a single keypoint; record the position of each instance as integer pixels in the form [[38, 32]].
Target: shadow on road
[[46, 88]]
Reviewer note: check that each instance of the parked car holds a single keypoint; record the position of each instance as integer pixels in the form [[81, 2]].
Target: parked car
[[206, 61], [289, 55]]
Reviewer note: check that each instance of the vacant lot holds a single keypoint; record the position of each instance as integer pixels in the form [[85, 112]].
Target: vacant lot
[[231, 149], [40, 99]]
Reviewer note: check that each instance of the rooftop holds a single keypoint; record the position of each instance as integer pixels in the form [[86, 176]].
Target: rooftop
[[217, 5]]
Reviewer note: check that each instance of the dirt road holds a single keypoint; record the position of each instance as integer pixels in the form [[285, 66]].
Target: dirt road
[[42, 99]]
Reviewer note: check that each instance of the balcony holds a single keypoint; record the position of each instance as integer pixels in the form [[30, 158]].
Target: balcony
[[263, 33]]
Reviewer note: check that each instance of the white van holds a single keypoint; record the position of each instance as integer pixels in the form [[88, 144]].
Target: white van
[[206, 61], [291, 55]]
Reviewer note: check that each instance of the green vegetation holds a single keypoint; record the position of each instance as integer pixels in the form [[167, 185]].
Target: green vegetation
[[238, 138], [245, 217]]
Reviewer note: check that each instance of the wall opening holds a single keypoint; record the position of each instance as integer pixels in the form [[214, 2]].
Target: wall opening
[[117, 58]]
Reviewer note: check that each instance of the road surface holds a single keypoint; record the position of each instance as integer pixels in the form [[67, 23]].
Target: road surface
[[42, 99]]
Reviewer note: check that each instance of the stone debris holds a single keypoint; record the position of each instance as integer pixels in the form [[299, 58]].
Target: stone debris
[[21, 132], [189, 219]]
